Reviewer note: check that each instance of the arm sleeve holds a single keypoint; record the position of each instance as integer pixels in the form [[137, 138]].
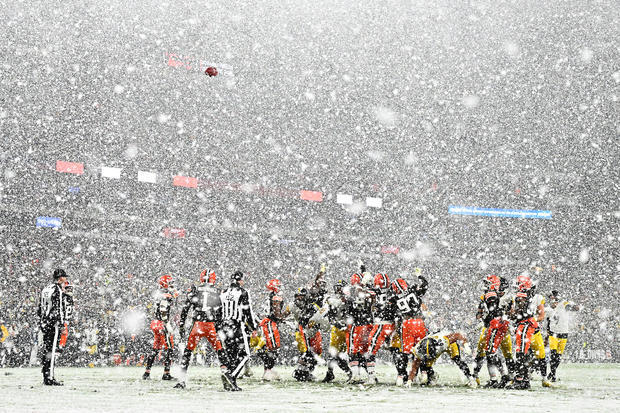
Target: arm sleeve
[[58, 305], [184, 311], [248, 313]]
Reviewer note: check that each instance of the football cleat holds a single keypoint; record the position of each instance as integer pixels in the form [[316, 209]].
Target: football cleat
[[329, 377], [270, 375], [180, 385], [372, 379], [167, 376], [146, 375], [227, 381], [519, 385], [492, 384], [52, 382]]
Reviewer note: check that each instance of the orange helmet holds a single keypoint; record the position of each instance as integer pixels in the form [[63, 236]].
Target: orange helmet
[[399, 286], [382, 281], [492, 282], [524, 282], [165, 281], [274, 285], [356, 279], [208, 276]]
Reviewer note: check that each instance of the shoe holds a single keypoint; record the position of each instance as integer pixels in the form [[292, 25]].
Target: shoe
[[355, 379], [492, 384], [146, 375], [167, 376], [271, 375], [234, 385], [399, 381], [301, 375], [471, 383], [329, 377], [227, 381], [372, 379], [180, 385], [52, 382], [505, 380], [519, 385]]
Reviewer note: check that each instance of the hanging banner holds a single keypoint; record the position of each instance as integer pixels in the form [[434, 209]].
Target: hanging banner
[[499, 213], [49, 222]]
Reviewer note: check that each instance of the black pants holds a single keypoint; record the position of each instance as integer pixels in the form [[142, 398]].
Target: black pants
[[51, 338], [236, 345]]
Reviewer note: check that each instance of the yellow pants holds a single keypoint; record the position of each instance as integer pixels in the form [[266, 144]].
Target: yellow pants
[[395, 341], [538, 345], [257, 342], [301, 345], [505, 346], [338, 339], [557, 344]]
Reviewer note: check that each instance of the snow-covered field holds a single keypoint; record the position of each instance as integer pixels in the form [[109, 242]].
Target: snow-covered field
[[583, 387]]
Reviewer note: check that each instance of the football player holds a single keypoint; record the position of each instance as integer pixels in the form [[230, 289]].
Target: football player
[[384, 315], [160, 325], [409, 311], [558, 320], [428, 350], [497, 305], [528, 311], [270, 331], [308, 335], [335, 312], [206, 304], [359, 308]]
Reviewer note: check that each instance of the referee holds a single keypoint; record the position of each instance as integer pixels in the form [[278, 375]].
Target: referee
[[236, 314], [51, 321]]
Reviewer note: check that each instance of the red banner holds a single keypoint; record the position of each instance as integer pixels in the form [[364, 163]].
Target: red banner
[[186, 181], [173, 232], [390, 249], [315, 196], [70, 167]]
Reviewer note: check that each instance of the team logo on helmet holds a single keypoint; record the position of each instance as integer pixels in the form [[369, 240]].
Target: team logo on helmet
[[208, 276], [274, 285]]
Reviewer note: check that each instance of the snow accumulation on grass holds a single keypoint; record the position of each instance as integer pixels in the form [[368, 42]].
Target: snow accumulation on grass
[[582, 387]]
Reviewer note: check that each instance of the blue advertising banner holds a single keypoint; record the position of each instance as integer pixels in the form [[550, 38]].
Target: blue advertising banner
[[500, 213], [49, 222]]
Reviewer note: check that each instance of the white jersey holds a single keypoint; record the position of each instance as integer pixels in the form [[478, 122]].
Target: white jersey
[[532, 308], [559, 318]]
